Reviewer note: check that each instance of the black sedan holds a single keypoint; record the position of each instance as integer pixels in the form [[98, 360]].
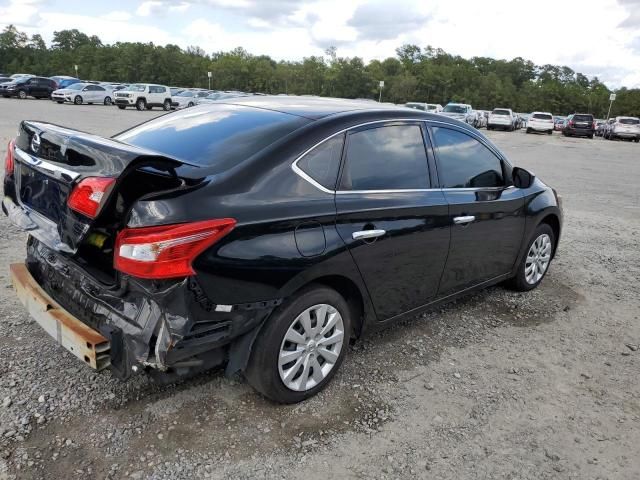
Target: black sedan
[[264, 233]]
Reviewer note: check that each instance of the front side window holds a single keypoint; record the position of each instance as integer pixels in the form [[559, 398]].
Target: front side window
[[323, 162], [386, 158], [464, 162]]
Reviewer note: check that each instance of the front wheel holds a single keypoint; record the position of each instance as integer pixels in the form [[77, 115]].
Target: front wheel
[[59, 101], [141, 104], [77, 100], [301, 346], [535, 263], [121, 107], [22, 94]]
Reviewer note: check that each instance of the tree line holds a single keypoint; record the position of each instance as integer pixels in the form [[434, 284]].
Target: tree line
[[414, 74]]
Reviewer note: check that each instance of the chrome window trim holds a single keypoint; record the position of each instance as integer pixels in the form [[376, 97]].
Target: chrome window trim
[[297, 170], [45, 167]]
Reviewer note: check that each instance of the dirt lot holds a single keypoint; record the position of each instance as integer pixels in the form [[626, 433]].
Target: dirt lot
[[499, 385]]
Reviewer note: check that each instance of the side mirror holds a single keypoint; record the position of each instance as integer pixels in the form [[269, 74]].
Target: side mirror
[[522, 178]]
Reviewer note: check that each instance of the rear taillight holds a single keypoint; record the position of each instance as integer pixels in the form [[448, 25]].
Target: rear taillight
[[571, 123], [8, 161], [88, 196], [166, 251]]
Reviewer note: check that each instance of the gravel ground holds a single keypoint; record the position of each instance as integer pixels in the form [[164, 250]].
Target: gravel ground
[[498, 385]]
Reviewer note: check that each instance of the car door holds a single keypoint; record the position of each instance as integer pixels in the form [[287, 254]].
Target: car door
[[486, 212], [394, 224], [98, 94]]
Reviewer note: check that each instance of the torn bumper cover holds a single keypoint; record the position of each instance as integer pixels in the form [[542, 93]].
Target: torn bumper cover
[[169, 327]]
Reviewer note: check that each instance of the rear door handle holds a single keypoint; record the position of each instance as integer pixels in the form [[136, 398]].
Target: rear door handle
[[463, 220], [367, 234]]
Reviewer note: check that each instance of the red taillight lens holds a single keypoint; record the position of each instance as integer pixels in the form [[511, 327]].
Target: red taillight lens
[[88, 196], [8, 161], [166, 251]]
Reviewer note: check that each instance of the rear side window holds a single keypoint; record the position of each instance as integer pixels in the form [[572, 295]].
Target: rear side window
[[629, 121], [386, 158], [215, 135], [542, 116], [464, 162], [323, 162]]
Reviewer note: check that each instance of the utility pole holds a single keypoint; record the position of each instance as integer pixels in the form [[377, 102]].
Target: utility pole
[[381, 87], [209, 75], [76, 68]]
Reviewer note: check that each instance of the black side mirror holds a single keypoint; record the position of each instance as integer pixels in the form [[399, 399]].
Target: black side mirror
[[522, 178]]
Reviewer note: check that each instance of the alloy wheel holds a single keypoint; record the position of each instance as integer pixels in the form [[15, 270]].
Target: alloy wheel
[[538, 259], [311, 347]]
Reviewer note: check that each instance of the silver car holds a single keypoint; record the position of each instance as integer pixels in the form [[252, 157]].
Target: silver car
[[80, 93], [188, 98], [460, 111]]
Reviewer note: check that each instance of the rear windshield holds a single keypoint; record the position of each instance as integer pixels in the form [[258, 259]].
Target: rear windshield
[[629, 121], [583, 118], [417, 106], [455, 109], [219, 135], [542, 116], [498, 111]]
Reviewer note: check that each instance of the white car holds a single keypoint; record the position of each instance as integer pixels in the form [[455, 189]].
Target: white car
[[143, 96], [427, 107], [540, 122], [627, 128], [188, 98], [460, 111], [80, 93], [501, 118]]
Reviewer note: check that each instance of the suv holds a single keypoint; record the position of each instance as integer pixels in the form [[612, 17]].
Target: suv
[[143, 96], [501, 118], [264, 239], [540, 122], [579, 125], [460, 111], [23, 87], [624, 127]]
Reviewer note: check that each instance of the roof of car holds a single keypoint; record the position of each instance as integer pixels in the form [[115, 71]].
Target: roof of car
[[311, 107]]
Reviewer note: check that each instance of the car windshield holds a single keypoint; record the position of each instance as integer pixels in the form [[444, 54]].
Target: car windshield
[[629, 121], [455, 109], [499, 111], [582, 118], [215, 135], [137, 88], [186, 93], [542, 116]]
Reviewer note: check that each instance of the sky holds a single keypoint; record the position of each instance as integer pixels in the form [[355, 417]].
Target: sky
[[595, 37]]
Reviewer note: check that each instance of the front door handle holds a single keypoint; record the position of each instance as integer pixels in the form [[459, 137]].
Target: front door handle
[[463, 220], [367, 234]]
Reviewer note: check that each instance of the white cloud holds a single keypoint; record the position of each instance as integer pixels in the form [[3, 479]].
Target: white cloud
[[117, 16], [22, 13]]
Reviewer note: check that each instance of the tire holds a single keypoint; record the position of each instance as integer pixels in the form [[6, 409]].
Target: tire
[[528, 130], [58, 101], [591, 136], [107, 101], [77, 100], [166, 106], [523, 282], [149, 107], [263, 370], [190, 104], [121, 107], [141, 104], [637, 140], [550, 132], [22, 95]]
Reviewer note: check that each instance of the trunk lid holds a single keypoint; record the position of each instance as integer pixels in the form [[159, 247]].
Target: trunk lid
[[49, 162]]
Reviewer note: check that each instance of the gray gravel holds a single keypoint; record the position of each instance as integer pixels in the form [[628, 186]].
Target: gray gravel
[[498, 385]]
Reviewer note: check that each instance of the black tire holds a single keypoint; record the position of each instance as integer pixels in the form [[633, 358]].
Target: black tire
[[637, 140], [166, 106], [141, 104], [22, 95], [262, 370], [550, 132], [77, 100], [591, 136], [519, 281], [59, 101], [190, 104], [122, 107], [107, 101], [528, 130], [149, 107]]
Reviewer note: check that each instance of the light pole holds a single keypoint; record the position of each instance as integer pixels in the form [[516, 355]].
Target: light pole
[[76, 68], [209, 74], [381, 87], [612, 97]]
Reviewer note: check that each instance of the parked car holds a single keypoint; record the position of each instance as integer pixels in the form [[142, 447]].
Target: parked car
[[4, 79], [143, 96], [481, 119], [558, 123], [188, 98], [502, 118], [23, 87], [600, 127], [215, 96], [540, 122], [176, 90], [426, 107], [579, 125], [627, 128], [80, 93], [242, 234], [63, 81], [460, 111]]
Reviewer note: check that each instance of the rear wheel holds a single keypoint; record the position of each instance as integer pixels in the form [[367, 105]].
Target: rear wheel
[[301, 347], [121, 107], [59, 101], [141, 104], [77, 100], [166, 106], [22, 94], [528, 130], [535, 263], [107, 101], [550, 132]]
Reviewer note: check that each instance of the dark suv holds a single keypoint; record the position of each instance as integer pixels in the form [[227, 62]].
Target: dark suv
[[579, 125], [264, 233], [38, 87]]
